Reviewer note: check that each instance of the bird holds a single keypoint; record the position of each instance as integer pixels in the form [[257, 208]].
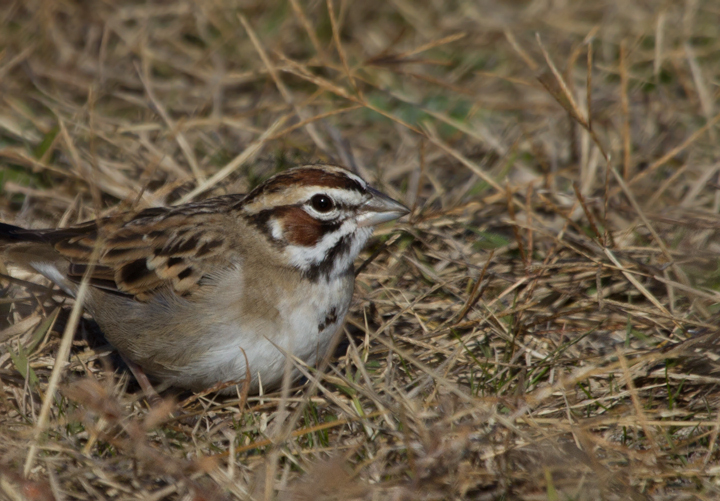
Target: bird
[[206, 293]]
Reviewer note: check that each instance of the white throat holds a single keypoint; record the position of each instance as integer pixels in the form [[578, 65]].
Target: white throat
[[334, 254]]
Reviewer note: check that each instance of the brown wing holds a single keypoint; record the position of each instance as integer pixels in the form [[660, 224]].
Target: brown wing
[[156, 248]]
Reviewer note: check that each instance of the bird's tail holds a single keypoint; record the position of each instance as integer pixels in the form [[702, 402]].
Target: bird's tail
[[14, 234]]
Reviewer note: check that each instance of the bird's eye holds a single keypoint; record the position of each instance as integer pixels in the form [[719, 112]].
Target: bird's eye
[[322, 203]]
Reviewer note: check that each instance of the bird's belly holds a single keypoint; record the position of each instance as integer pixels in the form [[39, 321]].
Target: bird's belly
[[265, 350], [302, 325]]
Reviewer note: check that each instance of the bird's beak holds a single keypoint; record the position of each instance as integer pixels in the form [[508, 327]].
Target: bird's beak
[[379, 209]]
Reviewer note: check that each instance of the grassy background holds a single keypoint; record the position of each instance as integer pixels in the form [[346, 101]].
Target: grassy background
[[523, 336]]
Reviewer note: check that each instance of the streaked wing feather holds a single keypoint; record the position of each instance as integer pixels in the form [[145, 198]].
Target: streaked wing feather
[[157, 248]]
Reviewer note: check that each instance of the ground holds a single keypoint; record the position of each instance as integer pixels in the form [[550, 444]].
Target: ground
[[544, 324]]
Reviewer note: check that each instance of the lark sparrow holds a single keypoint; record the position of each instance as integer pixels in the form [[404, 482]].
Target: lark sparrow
[[188, 292]]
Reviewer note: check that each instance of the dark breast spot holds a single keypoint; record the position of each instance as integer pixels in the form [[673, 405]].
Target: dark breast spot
[[329, 319]]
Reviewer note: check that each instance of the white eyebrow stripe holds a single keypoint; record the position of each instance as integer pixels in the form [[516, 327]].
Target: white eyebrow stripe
[[356, 178], [296, 195], [347, 197], [342, 171]]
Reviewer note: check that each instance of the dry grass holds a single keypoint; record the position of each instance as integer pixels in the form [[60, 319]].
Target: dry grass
[[517, 339]]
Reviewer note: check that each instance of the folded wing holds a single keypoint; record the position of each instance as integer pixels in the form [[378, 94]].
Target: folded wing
[[138, 254]]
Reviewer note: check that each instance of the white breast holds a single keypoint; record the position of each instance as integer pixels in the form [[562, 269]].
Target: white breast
[[304, 327]]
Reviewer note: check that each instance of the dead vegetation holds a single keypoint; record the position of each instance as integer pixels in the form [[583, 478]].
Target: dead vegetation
[[520, 338]]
